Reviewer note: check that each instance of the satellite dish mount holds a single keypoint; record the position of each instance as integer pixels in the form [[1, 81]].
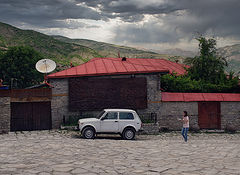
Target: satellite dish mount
[[45, 66]]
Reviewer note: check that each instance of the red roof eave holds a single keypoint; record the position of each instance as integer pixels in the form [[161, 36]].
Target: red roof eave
[[113, 73], [195, 97]]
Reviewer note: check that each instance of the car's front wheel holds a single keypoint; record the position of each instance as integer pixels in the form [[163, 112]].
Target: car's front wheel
[[129, 133], [88, 132]]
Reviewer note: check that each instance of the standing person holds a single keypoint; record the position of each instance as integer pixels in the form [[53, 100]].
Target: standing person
[[185, 128]]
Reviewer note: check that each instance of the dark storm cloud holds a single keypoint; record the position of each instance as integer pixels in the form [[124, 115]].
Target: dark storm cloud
[[148, 33], [45, 13], [131, 10], [183, 19], [173, 19]]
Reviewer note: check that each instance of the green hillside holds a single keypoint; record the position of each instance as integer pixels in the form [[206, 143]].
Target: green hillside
[[63, 53], [64, 50], [111, 50]]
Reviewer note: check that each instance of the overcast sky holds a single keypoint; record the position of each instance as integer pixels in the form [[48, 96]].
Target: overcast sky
[[152, 24]]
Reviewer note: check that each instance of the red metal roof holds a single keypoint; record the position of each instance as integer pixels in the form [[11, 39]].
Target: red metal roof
[[187, 97], [114, 66]]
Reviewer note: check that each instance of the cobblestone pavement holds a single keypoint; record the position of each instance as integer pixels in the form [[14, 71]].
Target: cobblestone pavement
[[63, 153]]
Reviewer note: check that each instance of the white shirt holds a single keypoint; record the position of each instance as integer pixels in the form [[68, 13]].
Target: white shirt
[[186, 122]]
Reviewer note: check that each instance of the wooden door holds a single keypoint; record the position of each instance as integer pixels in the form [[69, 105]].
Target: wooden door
[[21, 117], [209, 115], [29, 116]]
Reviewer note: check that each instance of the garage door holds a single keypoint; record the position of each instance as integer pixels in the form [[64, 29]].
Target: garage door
[[29, 116], [209, 115]]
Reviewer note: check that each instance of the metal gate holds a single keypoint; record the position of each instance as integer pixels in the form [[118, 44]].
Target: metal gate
[[209, 115], [29, 116]]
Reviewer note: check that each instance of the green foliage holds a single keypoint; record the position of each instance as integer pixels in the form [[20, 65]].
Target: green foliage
[[173, 83], [207, 66], [206, 73], [18, 64]]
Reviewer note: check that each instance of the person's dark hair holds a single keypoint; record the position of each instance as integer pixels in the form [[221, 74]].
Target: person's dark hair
[[185, 113]]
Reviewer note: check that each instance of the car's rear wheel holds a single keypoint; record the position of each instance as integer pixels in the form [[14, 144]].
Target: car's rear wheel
[[129, 133], [88, 132]]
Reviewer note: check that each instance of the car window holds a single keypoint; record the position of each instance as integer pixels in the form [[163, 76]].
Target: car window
[[100, 114], [111, 116], [126, 116]]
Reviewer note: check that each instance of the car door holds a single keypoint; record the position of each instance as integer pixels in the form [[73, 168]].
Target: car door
[[126, 119], [109, 122]]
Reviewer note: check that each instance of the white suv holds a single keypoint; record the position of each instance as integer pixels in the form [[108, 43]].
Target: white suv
[[120, 121]]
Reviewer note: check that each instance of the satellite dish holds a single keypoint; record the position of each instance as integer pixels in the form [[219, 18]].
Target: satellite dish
[[45, 66]]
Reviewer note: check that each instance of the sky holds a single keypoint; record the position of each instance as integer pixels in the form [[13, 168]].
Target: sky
[[150, 24]]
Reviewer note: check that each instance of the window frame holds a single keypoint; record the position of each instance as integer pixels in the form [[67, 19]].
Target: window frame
[[126, 118], [104, 117]]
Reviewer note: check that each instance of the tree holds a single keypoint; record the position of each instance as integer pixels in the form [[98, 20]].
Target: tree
[[18, 64], [208, 66], [205, 74]]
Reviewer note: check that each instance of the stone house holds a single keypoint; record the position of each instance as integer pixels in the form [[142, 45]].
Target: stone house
[[101, 83], [109, 83], [135, 83]]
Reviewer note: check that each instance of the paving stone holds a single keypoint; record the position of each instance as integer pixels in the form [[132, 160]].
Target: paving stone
[[79, 171], [65, 153]]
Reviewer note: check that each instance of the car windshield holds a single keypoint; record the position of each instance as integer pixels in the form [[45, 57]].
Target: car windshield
[[100, 114]]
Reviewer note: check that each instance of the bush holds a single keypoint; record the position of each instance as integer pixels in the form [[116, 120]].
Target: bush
[[174, 83]]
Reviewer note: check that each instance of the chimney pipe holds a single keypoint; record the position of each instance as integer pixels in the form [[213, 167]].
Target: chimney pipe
[[124, 59]]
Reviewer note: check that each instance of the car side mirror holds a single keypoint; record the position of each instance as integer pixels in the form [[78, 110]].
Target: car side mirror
[[103, 118]]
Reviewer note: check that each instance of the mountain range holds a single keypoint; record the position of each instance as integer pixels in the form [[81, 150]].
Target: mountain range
[[64, 50]]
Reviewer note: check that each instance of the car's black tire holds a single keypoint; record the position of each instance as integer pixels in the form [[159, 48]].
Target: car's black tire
[[88, 133], [129, 133]]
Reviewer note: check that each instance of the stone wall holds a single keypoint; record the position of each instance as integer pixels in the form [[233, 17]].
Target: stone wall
[[230, 115], [5, 114], [167, 112], [150, 128], [171, 111], [59, 102]]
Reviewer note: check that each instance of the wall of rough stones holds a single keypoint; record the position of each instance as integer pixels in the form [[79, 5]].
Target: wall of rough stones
[[230, 115], [167, 112], [59, 103], [171, 111], [150, 128], [5, 114], [60, 98]]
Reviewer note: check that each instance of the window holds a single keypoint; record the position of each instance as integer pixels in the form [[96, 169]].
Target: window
[[126, 116], [100, 114], [111, 116]]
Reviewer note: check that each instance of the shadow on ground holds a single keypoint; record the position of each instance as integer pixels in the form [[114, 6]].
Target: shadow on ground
[[108, 137]]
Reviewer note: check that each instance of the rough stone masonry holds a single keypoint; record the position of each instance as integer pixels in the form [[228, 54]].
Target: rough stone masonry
[[167, 112], [5, 114]]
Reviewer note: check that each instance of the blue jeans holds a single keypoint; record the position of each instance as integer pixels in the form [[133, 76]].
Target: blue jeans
[[184, 133]]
